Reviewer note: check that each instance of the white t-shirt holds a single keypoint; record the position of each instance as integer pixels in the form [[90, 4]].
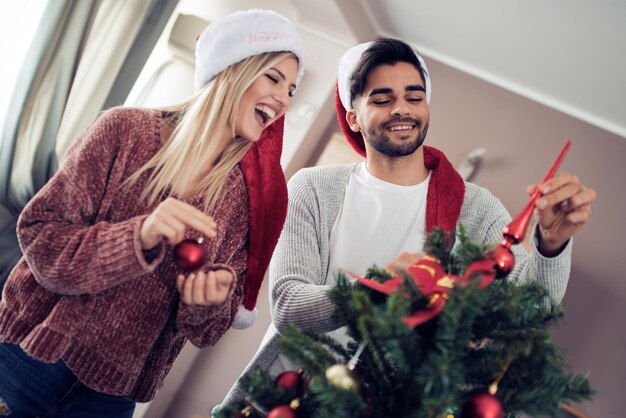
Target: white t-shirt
[[377, 221]]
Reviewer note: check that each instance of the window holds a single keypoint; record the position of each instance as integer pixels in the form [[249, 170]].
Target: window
[[18, 24]]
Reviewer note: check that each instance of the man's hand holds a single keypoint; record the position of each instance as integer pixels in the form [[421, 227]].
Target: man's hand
[[563, 208], [401, 263]]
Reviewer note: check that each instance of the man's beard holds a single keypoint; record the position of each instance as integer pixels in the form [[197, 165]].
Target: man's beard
[[381, 142]]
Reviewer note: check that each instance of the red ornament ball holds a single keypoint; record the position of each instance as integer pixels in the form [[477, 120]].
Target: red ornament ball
[[189, 255], [483, 405], [504, 260], [282, 411], [289, 380]]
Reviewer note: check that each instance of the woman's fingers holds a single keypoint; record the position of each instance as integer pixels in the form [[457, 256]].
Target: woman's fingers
[[170, 228], [187, 293], [170, 220], [205, 289], [192, 217], [197, 296], [210, 289]]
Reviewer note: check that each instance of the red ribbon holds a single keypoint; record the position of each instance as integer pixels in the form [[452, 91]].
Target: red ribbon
[[434, 283]]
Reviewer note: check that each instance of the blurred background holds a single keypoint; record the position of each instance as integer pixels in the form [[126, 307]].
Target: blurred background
[[512, 81]]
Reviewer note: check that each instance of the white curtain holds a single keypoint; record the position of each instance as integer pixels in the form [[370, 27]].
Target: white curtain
[[34, 111], [82, 53], [114, 30]]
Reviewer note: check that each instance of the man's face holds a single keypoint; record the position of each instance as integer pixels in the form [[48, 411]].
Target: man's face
[[392, 114]]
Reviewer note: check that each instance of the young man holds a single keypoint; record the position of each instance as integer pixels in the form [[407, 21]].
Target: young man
[[378, 212]]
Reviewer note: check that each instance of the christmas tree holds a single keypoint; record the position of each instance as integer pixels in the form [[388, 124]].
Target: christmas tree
[[447, 340]]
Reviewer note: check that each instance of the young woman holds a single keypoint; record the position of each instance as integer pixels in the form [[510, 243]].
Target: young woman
[[97, 310]]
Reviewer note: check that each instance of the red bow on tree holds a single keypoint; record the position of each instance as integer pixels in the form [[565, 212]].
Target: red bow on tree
[[433, 282]]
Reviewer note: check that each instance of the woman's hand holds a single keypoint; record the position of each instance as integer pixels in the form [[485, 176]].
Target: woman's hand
[[205, 288], [169, 221]]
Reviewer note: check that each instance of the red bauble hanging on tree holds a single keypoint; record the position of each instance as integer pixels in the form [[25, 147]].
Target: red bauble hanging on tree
[[189, 254], [483, 405], [503, 259], [290, 380], [282, 411]]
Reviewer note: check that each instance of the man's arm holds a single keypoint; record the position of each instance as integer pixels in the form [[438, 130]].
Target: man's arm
[[484, 216], [298, 293]]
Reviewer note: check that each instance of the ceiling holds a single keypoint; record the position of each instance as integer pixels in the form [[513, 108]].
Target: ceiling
[[569, 55]]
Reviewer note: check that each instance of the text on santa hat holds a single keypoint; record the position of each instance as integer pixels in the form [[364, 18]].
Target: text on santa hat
[[263, 37]]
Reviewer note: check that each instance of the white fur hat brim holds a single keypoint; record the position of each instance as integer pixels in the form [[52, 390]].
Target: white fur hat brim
[[348, 63], [241, 35]]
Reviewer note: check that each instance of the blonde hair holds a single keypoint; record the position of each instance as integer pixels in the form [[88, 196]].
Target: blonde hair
[[201, 123]]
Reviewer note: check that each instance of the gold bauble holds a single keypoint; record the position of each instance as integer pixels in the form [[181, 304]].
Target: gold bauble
[[341, 376]]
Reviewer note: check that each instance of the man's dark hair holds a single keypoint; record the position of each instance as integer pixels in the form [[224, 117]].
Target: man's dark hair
[[382, 51]]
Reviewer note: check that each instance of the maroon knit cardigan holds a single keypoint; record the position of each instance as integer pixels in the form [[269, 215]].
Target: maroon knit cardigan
[[86, 293]]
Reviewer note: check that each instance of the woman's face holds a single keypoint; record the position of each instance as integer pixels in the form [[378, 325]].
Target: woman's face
[[266, 99]]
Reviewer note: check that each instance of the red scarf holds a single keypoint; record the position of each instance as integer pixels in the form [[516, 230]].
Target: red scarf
[[267, 195], [445, 190]]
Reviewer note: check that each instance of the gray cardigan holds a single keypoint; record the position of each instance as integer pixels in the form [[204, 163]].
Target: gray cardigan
[[299, 267]]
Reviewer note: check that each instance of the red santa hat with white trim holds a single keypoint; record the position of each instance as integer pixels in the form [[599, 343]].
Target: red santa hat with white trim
[[446, 188], [343, 100]]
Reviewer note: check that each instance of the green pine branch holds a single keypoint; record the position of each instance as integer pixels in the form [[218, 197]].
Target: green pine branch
[[431, 370]]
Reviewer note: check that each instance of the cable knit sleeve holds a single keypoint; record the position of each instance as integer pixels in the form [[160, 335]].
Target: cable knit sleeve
[[297, 272], [67, 245], [204, 326], [485, 216]]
